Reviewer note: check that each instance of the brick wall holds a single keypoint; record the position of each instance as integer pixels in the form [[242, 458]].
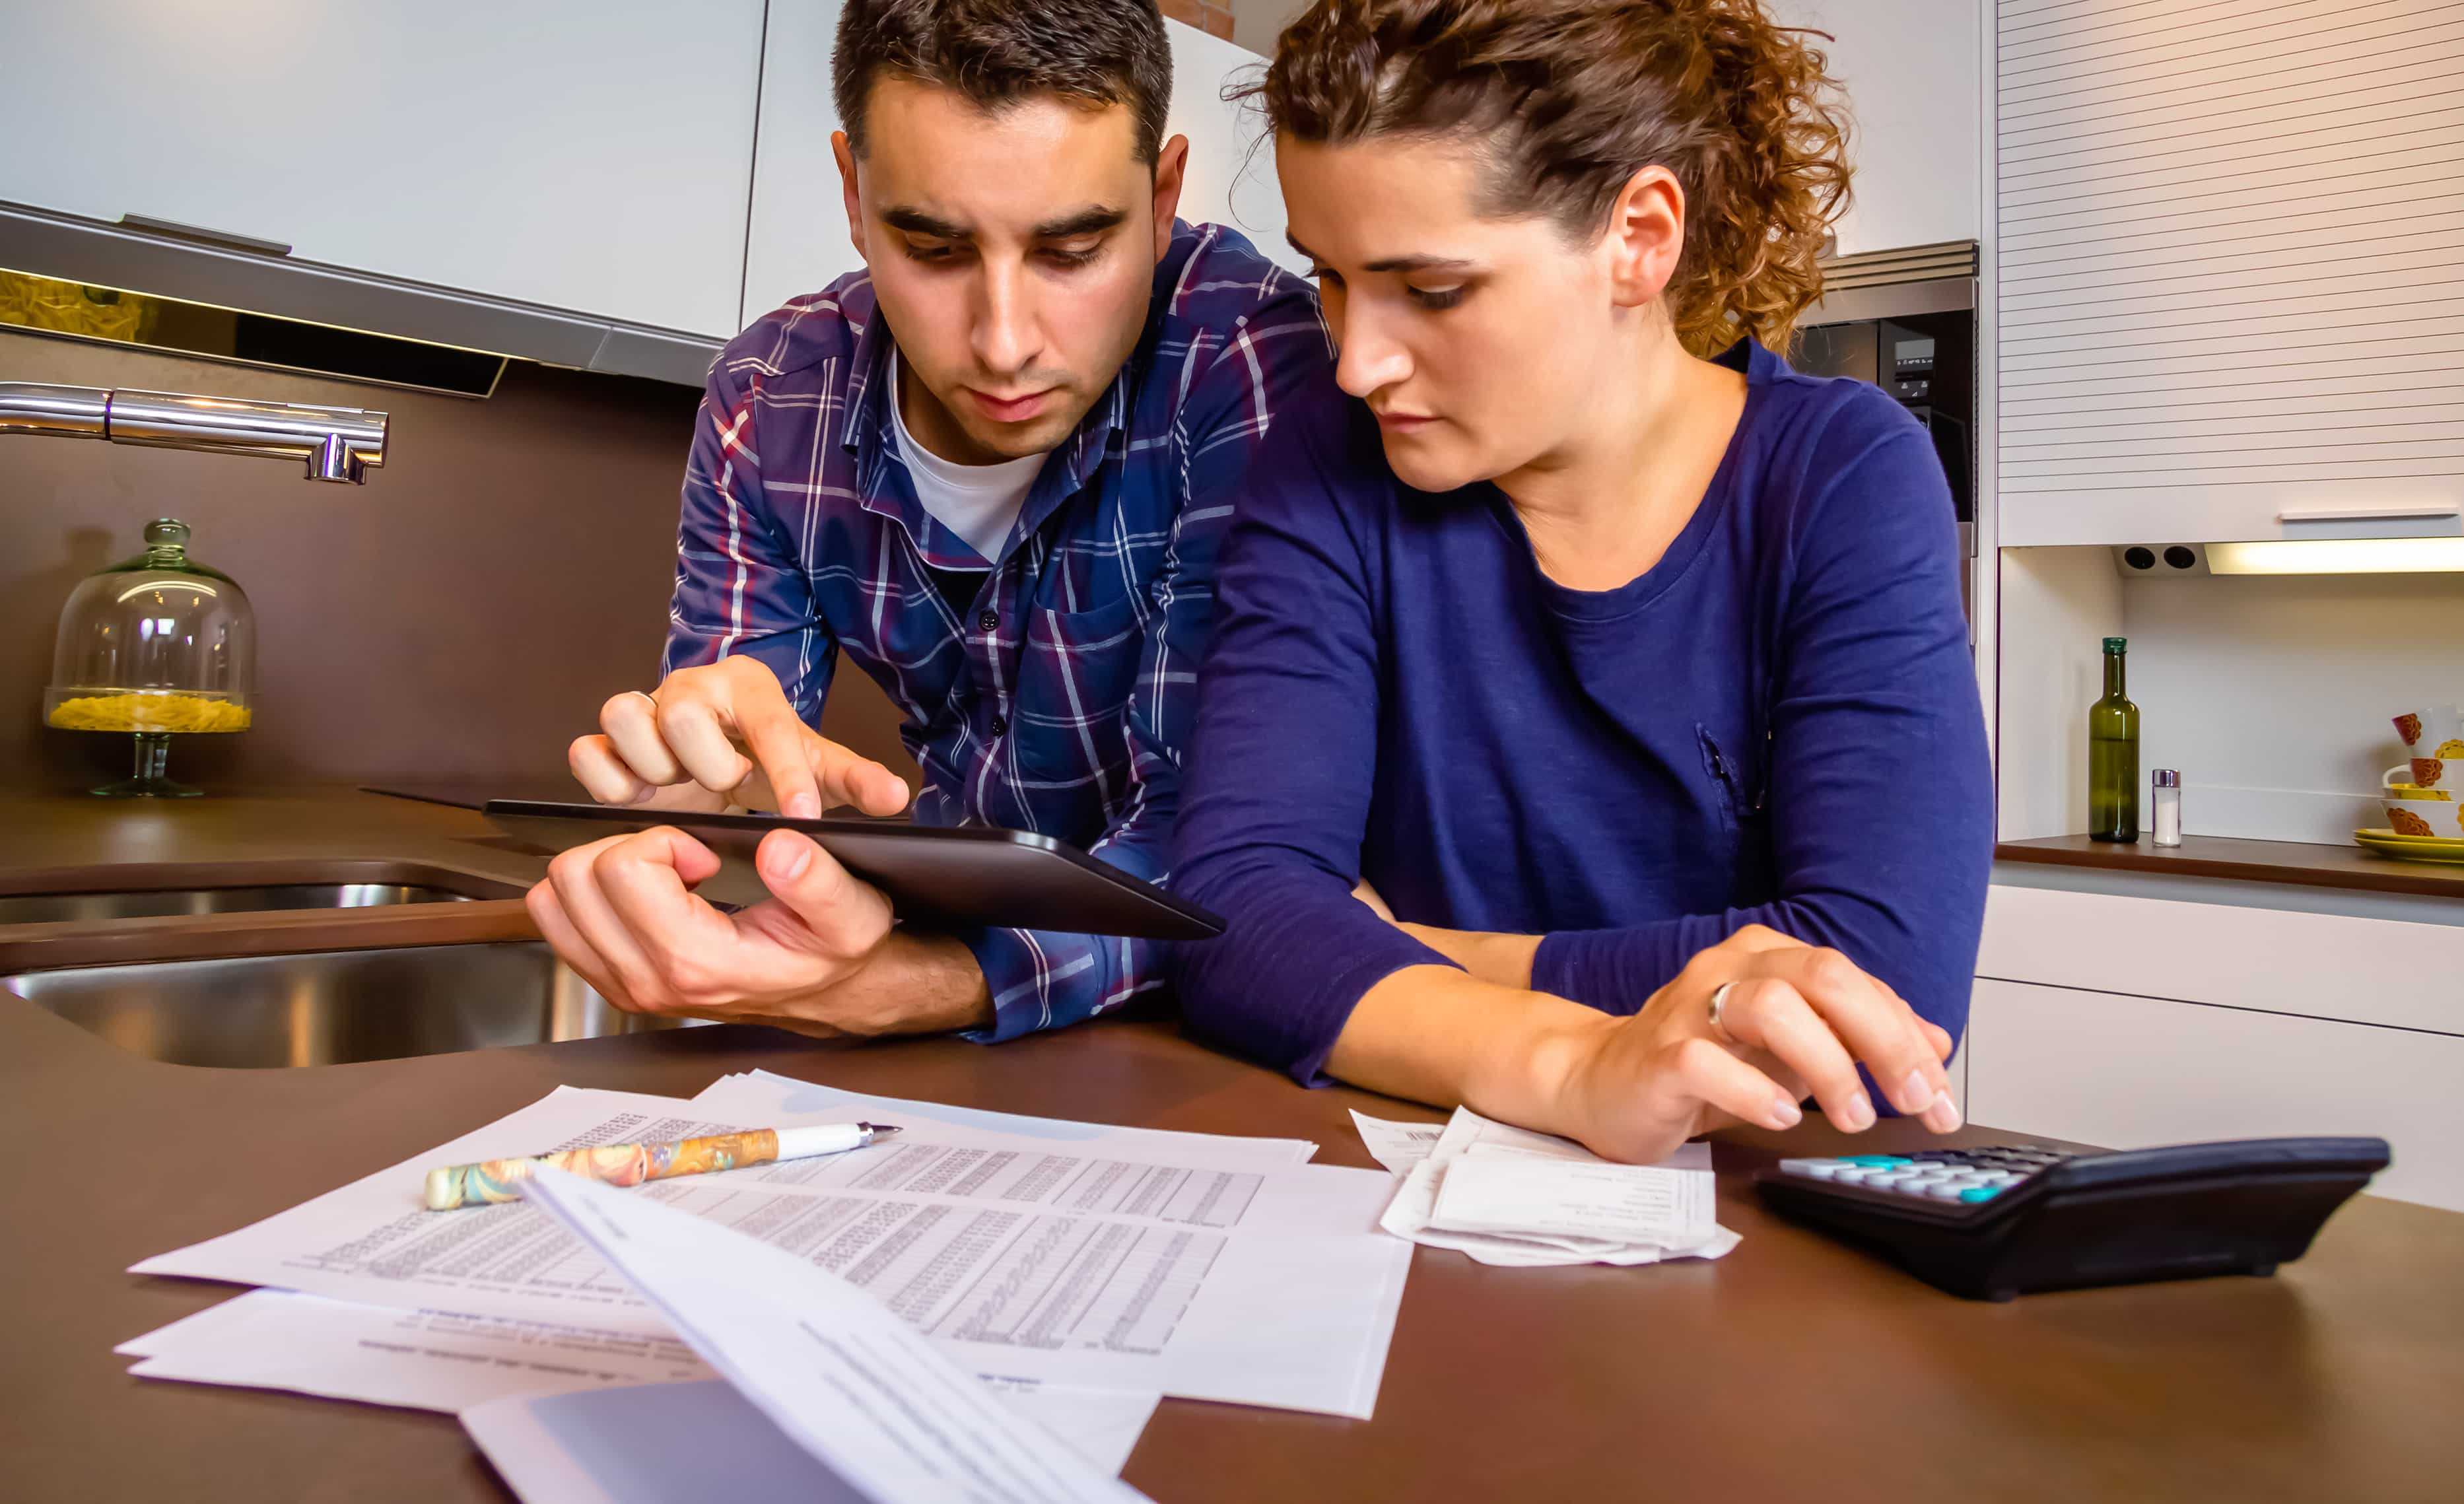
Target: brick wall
[[1213, 17]]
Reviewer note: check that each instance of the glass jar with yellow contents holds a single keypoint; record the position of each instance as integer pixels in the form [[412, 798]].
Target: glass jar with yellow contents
[[154, 647]]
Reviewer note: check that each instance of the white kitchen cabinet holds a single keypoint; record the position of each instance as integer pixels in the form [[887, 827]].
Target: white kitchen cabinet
[[589, 155], [1912, 72], [2387, 973], [2129, 1071], [2227, 260], [799, 237]]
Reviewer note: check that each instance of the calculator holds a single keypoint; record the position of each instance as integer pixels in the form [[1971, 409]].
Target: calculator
[[2010, 1219]]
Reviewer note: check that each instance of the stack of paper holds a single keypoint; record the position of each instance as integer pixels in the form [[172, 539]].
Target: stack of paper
[[1078, 1270], [885, 1412], [1510, 1196]]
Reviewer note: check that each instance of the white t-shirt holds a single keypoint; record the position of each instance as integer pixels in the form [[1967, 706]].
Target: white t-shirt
[[981, 503]]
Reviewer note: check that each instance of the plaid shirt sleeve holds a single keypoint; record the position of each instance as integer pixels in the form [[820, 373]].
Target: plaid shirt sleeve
[[739, 587], [1042, 979]]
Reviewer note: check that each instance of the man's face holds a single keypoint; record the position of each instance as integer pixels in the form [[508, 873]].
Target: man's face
[[1012, 253]]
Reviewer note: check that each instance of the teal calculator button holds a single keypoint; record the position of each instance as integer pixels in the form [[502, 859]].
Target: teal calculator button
[[1977, 1193], [1880, 1161]]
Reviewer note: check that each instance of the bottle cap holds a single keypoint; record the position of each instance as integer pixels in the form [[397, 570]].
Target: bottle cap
[[2116, 644], [2166, 778]]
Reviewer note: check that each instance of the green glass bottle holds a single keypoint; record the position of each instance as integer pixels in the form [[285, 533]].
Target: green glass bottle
[[2113, 755]]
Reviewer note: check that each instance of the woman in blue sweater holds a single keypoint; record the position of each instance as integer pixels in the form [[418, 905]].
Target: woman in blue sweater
[[1590, 735]]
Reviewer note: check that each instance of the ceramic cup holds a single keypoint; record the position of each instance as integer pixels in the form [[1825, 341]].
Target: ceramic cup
[[2414, 811], [2434, 739]]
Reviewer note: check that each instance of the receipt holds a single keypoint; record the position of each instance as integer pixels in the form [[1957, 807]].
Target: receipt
[[1398, 1147], [1521, 1195], [1511, 1197]]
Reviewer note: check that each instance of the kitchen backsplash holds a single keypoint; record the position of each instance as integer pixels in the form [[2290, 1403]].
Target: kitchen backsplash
[[462, 615]]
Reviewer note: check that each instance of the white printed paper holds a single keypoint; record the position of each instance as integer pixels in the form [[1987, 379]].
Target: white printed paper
[[438, 1360], [832, 1367], [770, 1100], [691, 1442], [1536, 1199], [1033, 1257], [390, 1355]]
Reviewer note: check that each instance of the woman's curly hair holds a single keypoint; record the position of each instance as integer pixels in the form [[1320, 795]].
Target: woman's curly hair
[[1567, 99]]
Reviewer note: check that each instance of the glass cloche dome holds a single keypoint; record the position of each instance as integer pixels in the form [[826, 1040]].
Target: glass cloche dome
[[155, 647]]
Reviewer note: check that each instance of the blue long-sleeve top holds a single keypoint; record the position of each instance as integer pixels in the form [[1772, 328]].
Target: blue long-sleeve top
[[1778, 723]]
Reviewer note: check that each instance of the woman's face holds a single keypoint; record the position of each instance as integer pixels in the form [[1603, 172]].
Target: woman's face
[[1477, 340]]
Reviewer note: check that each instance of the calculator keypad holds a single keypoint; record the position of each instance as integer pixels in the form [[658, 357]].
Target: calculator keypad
[[1957, 1177]]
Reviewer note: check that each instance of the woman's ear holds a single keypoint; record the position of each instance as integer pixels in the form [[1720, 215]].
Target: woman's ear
[[1646, 231]]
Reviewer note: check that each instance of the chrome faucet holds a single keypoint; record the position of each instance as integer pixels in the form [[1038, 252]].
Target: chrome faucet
[[335, 443]]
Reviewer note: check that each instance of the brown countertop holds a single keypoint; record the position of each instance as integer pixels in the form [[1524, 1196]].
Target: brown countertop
[[1795, 1368], [2238, 860]]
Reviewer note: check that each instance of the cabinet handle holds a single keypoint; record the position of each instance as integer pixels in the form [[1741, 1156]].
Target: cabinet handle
[[2368, 514], [225, 238]]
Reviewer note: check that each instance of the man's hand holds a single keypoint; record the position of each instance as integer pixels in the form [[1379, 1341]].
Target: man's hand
[[821, 956], [1796, 1019], [721, 734]]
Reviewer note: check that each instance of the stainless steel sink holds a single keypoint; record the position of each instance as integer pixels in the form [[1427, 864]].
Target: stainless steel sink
[[52, 908], [329, 1006]]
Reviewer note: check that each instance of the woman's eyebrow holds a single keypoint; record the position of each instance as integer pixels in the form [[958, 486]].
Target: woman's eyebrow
[[1420, 263], [1395, 263]]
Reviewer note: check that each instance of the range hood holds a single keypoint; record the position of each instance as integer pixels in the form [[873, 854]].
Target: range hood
[[228, 273]]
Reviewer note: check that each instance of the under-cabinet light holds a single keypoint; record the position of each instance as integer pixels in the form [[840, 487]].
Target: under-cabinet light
[[2339, 556]]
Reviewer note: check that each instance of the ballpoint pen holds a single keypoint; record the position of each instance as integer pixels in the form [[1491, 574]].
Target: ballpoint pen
[[492, 1181]]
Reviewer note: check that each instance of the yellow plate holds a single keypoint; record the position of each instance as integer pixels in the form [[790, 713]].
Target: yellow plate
[[2413, 848]]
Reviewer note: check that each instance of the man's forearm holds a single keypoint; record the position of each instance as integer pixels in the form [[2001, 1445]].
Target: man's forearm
[[914, 983]]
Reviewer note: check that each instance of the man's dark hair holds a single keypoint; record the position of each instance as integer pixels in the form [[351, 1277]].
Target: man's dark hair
[[999, 52]]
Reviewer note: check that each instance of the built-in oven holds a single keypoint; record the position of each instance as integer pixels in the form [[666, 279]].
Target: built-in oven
[[1907, 322]]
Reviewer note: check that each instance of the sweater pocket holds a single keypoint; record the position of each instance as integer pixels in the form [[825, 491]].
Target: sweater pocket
[[1740, 798]]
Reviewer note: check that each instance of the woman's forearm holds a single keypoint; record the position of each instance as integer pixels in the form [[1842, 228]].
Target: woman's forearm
[[1438, 1035], [1505, 960]]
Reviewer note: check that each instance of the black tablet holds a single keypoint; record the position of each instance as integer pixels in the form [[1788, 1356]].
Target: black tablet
[[950, 874]]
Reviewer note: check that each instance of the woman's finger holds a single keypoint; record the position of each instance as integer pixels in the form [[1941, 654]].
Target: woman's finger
[[1769, 1015], [1704, 1072], [1875, 1025]]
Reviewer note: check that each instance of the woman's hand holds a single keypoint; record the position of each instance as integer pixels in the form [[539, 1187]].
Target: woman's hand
[[1794, 1019]]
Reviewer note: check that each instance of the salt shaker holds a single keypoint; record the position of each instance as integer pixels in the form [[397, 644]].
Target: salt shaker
[[2164, 790]]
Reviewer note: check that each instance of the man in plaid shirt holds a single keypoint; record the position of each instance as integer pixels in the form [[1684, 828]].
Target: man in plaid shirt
[[993, 470]]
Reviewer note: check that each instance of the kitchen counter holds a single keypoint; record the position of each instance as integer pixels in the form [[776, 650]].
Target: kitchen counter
[[70, 843], [1795, 1368], [2236, 859]]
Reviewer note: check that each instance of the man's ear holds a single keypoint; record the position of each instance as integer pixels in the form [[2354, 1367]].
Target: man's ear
[[845, 155], [1646, 229], [1170, 169]]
